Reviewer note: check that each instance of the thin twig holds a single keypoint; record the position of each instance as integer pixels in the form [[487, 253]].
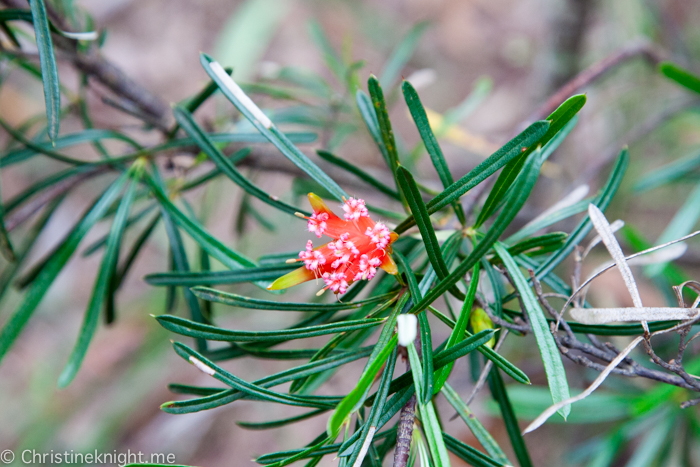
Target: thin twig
[[643, 49]]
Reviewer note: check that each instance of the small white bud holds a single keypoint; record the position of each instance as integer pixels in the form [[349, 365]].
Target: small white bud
[[202, 367], [81, 36], [408, 328], [240, 95]]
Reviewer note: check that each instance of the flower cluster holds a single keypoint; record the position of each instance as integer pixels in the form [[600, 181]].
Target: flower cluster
[[359, 247]]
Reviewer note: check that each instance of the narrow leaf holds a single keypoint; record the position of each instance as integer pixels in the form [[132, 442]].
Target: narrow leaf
[[263, 124], [481, 172], [186, 327], [104, 277], [553, 366], [49, 69], [232, 299], [52, 268]]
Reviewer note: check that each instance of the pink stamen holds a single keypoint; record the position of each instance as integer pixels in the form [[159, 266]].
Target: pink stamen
[[312, 259], [354, 209], [317, 223]]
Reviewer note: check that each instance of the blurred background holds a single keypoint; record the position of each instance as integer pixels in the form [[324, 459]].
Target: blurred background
[[509, 56]]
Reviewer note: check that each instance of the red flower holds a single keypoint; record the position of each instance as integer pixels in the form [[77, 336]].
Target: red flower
[[360, 246]]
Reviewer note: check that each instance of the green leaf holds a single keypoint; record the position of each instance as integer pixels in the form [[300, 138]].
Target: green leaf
[[104, 277], [431, 144], [52, 268], [541, 243], [498, 159], [359, 173], [385, 130], [49, 69], [232, 299], [680, 75], [561, 123], [469, 454], [602, 201], [102, 241], [498, 390], [422, 218], [402, 54], [5, 244], [445, 357], [354, 399], [460, 327], [179, 262], [553, 366], [84, 137], [279, 423], [184, 118], [669, 173], [214, 247], [521, 191], [480, 433], [376, 411], [186, 327], [369, 116], [550, 219], [681, 225], [427, 388], [431, 426], [271, 132], [333, 61], [226, 396], [252, 390], [198, 99], [191, 279]]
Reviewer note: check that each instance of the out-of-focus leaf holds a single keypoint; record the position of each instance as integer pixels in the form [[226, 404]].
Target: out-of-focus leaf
[[582, 229], [188, 124], [5, 244], [213, 246], [402, 54], [333, 61], [279, 423], [669, 173], [247, 33], [104, 277], [358, 172], [680, 75], [53, 267], [682, 224]]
